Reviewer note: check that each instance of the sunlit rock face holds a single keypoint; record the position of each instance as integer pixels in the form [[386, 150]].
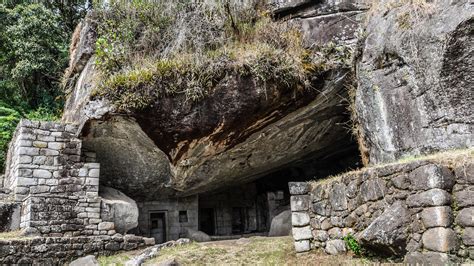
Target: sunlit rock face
[[236, 134], [415, 80]]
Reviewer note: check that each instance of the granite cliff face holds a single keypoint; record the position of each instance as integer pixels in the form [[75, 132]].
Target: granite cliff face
[[413, 96], [415, 85]]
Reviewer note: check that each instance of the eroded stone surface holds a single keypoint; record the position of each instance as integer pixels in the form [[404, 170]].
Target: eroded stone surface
[[437, 217], [388, 232], [440, 239], [401, 111]]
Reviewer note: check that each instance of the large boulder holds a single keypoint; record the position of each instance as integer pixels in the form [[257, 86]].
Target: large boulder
[[387, 234], [415, 78], [197, 236], [85, 261], [118, 208], [281, 224]]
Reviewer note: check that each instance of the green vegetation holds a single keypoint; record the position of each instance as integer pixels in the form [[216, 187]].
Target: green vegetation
[[34, 40], [145, 51], [245, 251], [353, 245]]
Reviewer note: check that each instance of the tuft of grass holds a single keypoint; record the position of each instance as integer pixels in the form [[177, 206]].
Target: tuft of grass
[[451, 158], [12, 235], [117, 260], [148, 51]]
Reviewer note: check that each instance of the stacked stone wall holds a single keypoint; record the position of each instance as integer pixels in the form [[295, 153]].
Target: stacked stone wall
[[418, 211], [62, 250], [58, 192]]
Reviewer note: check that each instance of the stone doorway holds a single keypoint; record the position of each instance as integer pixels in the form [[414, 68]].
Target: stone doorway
[[207, 221], [158, 226]]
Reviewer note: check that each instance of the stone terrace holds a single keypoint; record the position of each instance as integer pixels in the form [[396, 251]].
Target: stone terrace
[[421, 211]]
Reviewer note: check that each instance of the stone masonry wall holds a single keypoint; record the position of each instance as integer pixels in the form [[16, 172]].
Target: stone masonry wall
[[421, 211], [58, 192], [62, 250]]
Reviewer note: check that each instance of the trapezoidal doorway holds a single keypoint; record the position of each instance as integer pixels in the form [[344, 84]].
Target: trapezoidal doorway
[[207, 221]]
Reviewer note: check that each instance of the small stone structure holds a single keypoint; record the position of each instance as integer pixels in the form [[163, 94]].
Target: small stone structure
[[58, 193], [420, 211], [54, 193]]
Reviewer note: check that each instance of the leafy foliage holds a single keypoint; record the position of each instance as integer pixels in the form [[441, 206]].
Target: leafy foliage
[[33, 53], [353, 245]]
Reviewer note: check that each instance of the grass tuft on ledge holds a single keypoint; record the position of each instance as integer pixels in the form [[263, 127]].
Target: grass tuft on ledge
[[146, 51]]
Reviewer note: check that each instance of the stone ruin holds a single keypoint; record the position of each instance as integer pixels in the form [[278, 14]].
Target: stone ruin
[[51, 189], [76, 188], [422, 211]]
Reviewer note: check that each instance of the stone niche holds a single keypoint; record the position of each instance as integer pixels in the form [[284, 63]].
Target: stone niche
[[419, 211]]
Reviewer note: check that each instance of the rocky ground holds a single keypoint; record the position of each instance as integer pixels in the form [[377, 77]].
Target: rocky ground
[[244, 251]]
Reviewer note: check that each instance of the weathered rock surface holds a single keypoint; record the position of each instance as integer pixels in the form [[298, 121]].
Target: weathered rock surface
[[415, 79], [440, 239], [236, 134], [119, 209], [85, 261], [9, 216], [281, 224], [387, 233], [197, 236], [335, 247]]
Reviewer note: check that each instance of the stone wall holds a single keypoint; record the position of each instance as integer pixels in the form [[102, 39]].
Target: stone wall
[[59, 251], [417, 211], [58, 193], [171, 207]]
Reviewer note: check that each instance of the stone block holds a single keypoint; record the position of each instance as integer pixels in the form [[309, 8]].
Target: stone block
[[83, 172], [299, 203], [39, 189], [372, 189], [92, 181], [40, 173], [335, 247], [149, 241], [302, 233], [465, 217], [55, 145], [431, 176], [464, 198], [45, 138], [302, 246], [432, 197], [94, 173], [300, 218], [318, 193], [335, 233], [437, 216], [106, 226], [427, 258], [298, 188], [40, 144], [468, 236], [28, 151], [465, 173], [440, 239], [320, 235], [49, 152], [320, 208], [25, 159], [337, 197], [388, 231], [26, 182], [24, 143]]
